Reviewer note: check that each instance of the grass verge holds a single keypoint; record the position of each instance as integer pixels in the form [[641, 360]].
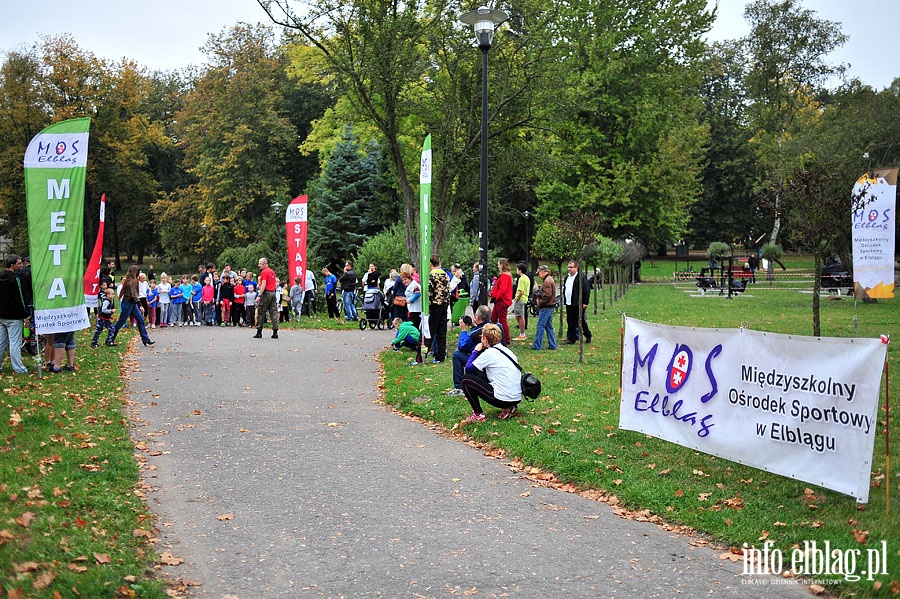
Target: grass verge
[[72, 520], [571, 433]]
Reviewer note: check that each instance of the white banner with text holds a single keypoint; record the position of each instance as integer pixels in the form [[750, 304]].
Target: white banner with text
[[801, 407]]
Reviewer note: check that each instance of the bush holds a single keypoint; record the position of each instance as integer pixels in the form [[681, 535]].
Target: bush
[[772, 251], [718, 249], [386, 250]]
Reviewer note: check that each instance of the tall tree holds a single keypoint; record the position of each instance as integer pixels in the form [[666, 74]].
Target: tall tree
[[727, 210], [237, 140], [344, 202], [408, 69], [22, 115], [787, 48], [630, 137]]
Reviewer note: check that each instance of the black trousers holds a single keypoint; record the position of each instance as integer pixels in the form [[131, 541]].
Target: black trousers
[[437, 324], [572, 324]]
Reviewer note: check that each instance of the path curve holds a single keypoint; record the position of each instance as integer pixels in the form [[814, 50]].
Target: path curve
[[277, 474]]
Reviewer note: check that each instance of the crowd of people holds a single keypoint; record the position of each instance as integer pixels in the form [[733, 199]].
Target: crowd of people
[[483, 365]]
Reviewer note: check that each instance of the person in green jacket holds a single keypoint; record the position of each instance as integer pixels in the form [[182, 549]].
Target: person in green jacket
[[407, 335]]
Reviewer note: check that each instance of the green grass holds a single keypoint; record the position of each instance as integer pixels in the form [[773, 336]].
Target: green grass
[[69, 503], [67, 459], [572, 431]]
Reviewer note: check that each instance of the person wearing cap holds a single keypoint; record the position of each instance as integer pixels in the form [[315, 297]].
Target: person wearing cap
[[545, 298]]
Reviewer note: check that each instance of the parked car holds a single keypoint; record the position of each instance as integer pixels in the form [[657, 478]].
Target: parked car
[[834, 275]]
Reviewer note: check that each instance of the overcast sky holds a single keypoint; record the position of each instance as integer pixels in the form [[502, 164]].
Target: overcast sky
[[168, 34]]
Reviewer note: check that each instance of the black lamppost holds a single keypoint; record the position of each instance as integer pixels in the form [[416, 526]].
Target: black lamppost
[[527, 214], [484, 21]]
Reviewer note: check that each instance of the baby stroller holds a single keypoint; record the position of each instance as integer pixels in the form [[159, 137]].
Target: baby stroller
[[376, 310]]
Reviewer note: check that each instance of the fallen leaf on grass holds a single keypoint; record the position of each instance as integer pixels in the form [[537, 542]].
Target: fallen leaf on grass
[[735, 503], [703, 496], [763, 536], [25, 567], [25, 519], [44, 580], [679, 493], [861, 536], [102, 558]]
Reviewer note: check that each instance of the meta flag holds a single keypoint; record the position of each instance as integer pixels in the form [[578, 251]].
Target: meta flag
[[425, 221], [296, 223], [873, 234], [92, 273], [55, 165]]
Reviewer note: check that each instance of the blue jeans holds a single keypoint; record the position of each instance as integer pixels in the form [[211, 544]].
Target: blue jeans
[[459, 367], [11, 338], [128, 309], [349, 307], [545, 322]]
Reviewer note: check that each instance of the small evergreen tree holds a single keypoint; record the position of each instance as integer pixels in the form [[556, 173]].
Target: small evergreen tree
[[345, 202]]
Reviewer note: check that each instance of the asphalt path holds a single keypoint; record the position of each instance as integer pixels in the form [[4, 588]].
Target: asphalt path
[[276, 473]]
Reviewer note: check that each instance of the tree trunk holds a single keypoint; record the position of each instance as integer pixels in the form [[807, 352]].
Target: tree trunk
[[817, 292]]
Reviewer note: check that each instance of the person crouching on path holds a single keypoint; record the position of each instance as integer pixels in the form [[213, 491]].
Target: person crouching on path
[[267, 304], [492, 375]]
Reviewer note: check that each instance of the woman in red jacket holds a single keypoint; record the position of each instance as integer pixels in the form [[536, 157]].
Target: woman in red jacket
[[502, 294]]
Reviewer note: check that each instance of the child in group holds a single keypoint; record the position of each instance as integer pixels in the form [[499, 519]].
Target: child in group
[[152, 303], [105, 311], [176, 296], [226, 298], [250, 304], [237, 309], [208, 299], [407, 335], [165, 302], [284, 303], [187, 310], [196, 292]]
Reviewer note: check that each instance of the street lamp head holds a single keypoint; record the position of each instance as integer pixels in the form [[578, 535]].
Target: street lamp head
[[277, 207], [484, 21]]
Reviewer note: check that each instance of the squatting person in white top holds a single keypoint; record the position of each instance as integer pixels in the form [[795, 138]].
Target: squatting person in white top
[[492, 374]]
